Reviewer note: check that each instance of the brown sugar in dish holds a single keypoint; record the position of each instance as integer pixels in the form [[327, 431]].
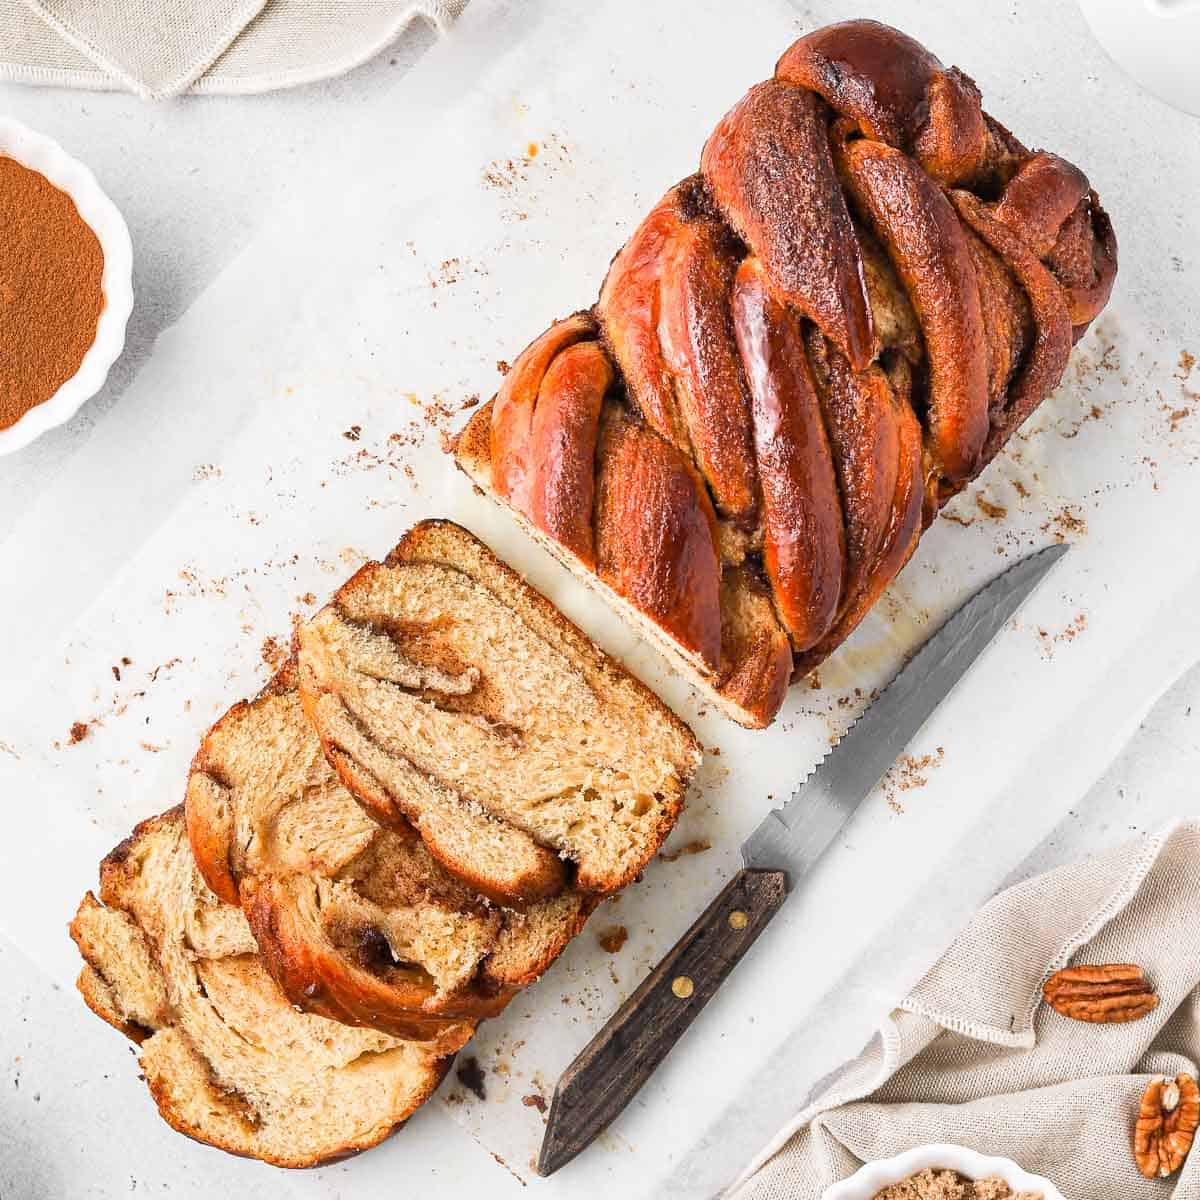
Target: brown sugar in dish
[[51, 293], [935, 1183]]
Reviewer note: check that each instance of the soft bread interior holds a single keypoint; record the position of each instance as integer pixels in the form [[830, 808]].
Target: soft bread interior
[[442, 689], [341, 905], [228, 1060]]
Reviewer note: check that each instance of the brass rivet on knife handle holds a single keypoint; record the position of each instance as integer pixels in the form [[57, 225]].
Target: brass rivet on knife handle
[[621, 1057]]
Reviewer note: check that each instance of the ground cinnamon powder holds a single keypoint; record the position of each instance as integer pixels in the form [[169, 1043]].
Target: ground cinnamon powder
[[50, 289]]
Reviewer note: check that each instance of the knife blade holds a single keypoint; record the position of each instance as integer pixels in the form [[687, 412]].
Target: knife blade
[[614, 1065]]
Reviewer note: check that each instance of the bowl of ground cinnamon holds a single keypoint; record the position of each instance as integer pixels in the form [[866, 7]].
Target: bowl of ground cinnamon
[[65, 285]]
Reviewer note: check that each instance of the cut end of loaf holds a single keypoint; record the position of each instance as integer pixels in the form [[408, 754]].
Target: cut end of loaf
[[748, 697]]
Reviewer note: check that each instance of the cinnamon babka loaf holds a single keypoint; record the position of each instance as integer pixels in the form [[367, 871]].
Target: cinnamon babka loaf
[[799, 356]]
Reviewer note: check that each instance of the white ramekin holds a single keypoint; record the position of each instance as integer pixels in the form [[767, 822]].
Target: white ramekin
[[875, 1176], [43, 154]]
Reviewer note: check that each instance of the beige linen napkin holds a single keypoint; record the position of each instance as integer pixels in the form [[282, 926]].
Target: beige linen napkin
[[973, 1057], [161, 48]]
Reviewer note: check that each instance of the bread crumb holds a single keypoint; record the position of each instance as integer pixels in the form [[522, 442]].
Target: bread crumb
[[79, 730], [699, 846], [1068, 522], [470, 1075], [535, 1100], [997, 512], [274, 653], [613, 938]]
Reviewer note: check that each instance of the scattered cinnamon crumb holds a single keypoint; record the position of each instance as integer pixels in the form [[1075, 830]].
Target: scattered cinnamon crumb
[[1073, 629], [955, 519], [470, 1075], [910, 772], [166, 666], [308, 598], [1020, 489], [697, 847], [151, 748], [996, 512], [1187, 361], [79, 730], [534, 1100], [502, 366], [613, 938], [1068, 522], [509, 1169], [206, 471], [353, 433], [274, 653]]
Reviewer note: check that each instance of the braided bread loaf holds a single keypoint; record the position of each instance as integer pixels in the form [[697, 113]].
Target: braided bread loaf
[[799, 356]]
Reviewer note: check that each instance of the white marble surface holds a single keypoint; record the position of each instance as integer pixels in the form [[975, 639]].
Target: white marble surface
[[195, 181]]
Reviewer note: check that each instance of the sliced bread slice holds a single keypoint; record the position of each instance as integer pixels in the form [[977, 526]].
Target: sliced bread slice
[[227, 1059], [449, 693], [354, 921]]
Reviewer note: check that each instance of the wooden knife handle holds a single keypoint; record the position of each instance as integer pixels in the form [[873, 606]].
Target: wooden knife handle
[[622, 1056]]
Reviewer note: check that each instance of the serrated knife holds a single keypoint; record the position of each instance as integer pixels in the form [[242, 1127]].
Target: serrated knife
[[614, 1065]]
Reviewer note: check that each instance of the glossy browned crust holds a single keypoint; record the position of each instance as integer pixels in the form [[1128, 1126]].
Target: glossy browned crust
[[914, 221], [939, 271], [513, 452], [803, 531], [655, 534], [895, 91], [756, 653], [796, 222], [696, 331], [565, 426], [628, 311], [1051, 344]]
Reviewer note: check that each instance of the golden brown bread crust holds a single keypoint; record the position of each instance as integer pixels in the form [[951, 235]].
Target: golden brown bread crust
[[933, 273], [328, 984]]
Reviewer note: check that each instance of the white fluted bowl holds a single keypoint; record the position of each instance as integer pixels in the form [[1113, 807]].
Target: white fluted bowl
[[875, 1176], [46, 156]]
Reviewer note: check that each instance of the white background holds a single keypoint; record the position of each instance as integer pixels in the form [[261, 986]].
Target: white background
[[197, 180]]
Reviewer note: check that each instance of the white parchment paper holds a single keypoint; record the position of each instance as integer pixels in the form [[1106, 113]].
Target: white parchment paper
[[300, 407]]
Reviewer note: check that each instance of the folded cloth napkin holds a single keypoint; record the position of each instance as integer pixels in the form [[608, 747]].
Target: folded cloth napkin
[[161, 48], [975, 1058]]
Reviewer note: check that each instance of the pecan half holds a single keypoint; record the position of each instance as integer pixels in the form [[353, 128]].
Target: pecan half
[[1166, 1125], [1104, 995]]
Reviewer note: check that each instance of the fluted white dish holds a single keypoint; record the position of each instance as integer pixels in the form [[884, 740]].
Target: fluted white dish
[[873, 1177], [46, 156], [1154, 41]]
